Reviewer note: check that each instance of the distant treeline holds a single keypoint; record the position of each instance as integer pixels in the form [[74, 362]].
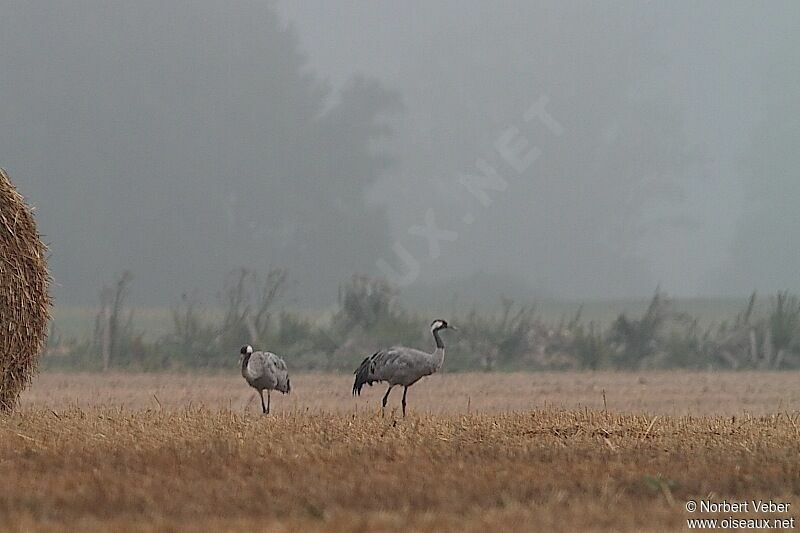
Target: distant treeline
[[369, 316]]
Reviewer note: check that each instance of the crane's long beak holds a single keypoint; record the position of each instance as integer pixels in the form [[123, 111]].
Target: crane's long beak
[[453, 328]]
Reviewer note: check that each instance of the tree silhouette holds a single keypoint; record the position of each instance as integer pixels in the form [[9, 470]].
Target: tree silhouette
[[181, 140]]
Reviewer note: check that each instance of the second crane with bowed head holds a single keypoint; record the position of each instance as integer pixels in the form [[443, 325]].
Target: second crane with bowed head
[[401, 366], [264, 371]]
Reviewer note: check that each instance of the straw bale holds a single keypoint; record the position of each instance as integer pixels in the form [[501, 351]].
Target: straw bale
[[24, 297]]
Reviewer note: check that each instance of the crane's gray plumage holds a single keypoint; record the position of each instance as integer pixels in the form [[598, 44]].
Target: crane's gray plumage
[[264, 371], [400, 365]]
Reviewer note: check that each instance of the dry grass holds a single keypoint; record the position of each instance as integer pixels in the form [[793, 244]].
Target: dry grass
[[662, 393], [24, 298], [221, 466]]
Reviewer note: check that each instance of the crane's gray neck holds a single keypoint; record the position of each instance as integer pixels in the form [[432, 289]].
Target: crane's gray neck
[[245, 360], [438, 339], [438, 354]]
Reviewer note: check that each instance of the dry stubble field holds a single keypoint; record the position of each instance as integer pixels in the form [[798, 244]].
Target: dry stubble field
[[524, 452]]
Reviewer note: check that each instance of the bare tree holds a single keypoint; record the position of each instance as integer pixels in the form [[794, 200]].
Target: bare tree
[[112, 329]]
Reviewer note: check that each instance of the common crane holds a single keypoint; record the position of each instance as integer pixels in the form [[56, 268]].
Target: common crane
[[401, 366], [264, 370]]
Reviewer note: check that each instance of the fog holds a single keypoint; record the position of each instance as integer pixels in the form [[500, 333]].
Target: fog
[[575, 150]]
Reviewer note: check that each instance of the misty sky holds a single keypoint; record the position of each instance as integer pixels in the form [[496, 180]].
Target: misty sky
[[713, 54], [184, 140]]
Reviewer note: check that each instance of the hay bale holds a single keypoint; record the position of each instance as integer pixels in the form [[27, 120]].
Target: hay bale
[[24, 297]]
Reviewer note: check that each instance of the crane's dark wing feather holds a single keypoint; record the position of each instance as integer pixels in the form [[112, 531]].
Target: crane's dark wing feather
[[364, 373]]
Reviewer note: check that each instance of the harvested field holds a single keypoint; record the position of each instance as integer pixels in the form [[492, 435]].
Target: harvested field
[[674, 393], [135, 452]]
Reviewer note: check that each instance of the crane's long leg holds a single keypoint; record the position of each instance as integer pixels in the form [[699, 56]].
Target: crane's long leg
[[386, 397], [263, 407], [268, 398], [405, 391]]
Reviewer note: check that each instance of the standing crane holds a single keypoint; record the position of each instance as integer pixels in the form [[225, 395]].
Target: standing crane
[[264, 371], [401, 366]]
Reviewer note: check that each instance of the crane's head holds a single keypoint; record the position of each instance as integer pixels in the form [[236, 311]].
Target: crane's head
[[438, 324], [246, 350]]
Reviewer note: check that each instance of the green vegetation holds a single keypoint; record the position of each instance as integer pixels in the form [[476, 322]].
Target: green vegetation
[[251, 309]]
